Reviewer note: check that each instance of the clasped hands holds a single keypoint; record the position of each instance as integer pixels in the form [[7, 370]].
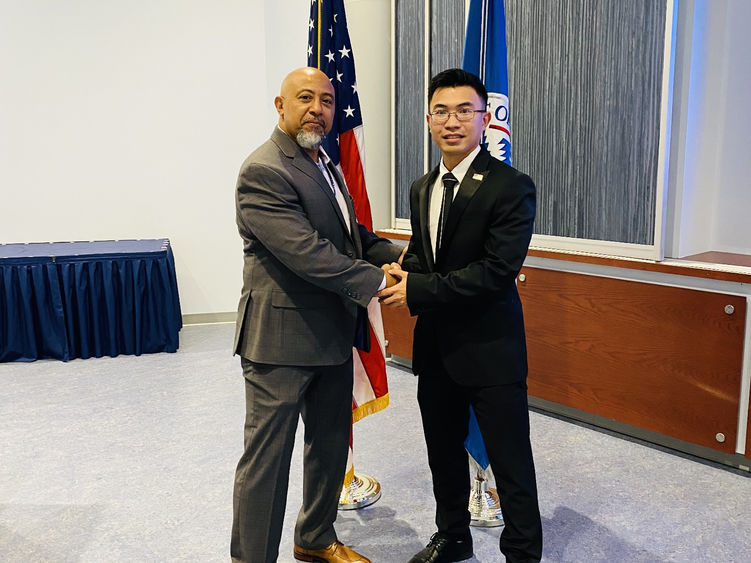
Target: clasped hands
[[395, 293]]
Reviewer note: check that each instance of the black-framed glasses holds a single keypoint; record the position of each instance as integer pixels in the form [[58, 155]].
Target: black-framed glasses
[[441, 116]]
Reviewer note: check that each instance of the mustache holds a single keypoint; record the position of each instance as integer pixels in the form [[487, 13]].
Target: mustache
[[316, 121]]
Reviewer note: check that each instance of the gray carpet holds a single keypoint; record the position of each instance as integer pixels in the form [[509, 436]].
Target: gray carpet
[[132, 459]]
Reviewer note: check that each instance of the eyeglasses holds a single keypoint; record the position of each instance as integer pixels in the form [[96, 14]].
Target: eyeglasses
[[441, 116]]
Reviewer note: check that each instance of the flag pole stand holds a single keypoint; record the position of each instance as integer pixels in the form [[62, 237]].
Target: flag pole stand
[[362, 491], [484, 504]]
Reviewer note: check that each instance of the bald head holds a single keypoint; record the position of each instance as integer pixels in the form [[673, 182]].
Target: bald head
[[305, 105], [300, 76]]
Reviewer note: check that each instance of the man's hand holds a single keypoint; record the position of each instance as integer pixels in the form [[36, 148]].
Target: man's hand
[[394, 296], [401, 256], [390, 280]]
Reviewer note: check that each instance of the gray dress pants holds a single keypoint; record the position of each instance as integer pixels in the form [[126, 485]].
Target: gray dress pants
[[276, 396]]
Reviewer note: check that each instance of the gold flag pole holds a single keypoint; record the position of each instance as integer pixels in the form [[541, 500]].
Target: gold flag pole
[[361, 491]]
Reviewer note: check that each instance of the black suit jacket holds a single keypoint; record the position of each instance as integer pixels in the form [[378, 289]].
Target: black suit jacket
[[469, 312]]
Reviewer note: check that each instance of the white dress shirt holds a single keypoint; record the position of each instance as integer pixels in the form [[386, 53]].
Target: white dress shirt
[[323, 161], [436, 192]]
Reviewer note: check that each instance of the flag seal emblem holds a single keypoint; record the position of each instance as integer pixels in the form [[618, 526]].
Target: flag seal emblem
[[497, 136]]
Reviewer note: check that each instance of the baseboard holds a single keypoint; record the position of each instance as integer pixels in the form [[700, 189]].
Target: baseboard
[[653, 439], [209, 318], [399, 361]]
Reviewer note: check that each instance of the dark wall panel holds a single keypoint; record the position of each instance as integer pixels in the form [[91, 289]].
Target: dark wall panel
[[585, 79], [446, 47], [410, 95]]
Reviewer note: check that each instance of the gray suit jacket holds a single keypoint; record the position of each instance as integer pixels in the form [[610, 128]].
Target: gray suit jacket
[[306, 279]]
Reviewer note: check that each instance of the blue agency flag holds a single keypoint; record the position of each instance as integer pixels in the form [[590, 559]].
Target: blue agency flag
[[485, 56]]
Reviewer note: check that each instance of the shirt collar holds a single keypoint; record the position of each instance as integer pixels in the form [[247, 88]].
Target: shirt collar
[[460, 170], [323, 157]]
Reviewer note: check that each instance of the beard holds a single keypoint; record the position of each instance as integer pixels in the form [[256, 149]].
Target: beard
[[309, 140]]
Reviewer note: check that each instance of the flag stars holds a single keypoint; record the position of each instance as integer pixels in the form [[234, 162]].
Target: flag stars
[[339, 76], [344, 51], [310, 50], [349, 111], [311, 24], [335, 16], [354, 88], [330, 56], [331, 31]]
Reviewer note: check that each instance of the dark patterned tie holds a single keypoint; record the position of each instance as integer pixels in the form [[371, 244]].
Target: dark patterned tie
[[449, 183]]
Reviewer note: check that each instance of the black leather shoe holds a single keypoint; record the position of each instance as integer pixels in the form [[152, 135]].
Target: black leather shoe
[[444, 549]]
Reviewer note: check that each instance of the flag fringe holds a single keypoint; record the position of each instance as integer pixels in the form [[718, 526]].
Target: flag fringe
[[377, 404], [349, 477]]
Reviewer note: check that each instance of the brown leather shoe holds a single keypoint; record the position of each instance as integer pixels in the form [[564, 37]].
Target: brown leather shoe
[[337, 552]]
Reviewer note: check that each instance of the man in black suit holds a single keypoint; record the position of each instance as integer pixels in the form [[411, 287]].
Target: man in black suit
[[459, 278]]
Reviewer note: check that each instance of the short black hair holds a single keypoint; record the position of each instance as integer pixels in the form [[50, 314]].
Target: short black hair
[[453, 77]]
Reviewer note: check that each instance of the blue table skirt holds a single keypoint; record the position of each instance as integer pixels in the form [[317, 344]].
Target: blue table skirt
[[78, 300]]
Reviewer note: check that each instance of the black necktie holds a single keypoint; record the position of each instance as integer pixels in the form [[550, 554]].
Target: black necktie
[[449, 183]]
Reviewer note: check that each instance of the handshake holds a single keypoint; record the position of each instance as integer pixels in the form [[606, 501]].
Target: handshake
[[395, 293]]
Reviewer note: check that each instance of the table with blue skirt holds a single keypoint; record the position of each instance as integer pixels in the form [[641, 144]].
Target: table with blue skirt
[[68, 300]]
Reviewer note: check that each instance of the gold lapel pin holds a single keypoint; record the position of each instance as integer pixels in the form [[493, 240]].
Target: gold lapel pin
[[477, 177]]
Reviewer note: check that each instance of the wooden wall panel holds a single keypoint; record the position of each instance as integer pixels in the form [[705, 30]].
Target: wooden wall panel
[[661, 358], [398, 326], [748, 433]]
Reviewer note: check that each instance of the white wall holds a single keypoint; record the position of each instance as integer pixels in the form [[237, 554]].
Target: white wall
[[131, 119], [369, 23], [732, 226], [709, 187]]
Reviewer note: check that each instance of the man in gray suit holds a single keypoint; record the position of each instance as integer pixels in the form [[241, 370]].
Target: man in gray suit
[[310, 271]]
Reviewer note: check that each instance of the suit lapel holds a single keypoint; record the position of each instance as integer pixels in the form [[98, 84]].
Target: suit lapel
[[473, 179], [424, 210], [300, 160], [342, 185], [305, 164]]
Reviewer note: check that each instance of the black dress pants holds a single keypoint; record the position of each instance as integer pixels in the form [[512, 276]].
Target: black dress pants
[[503, 416]]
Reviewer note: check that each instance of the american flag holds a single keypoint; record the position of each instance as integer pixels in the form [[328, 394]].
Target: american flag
[[330, 50]]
